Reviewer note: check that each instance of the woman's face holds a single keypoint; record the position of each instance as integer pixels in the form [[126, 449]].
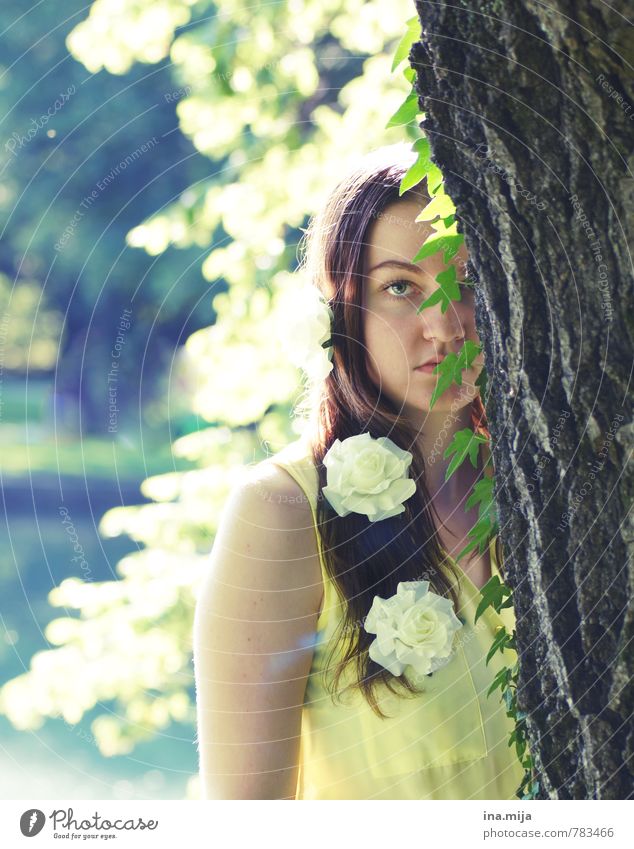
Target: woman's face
[[397, 339]]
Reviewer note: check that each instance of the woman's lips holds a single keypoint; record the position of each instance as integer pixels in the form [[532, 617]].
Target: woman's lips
[[428, 368]]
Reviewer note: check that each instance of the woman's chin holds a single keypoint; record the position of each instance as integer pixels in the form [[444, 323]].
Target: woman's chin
[[453, 399], [414, 400]]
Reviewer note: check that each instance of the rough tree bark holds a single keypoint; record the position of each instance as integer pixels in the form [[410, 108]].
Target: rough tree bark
[[530, 115]]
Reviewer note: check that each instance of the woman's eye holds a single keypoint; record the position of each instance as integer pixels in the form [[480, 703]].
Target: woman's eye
[[397, 283], [401, 289]]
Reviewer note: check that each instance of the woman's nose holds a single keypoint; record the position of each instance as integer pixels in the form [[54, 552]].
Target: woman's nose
[[442, 326]]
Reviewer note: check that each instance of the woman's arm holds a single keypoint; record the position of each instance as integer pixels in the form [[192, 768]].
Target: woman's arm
[[253, 639]]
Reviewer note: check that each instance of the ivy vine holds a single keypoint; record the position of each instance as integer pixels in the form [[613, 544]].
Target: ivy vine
[[440, 212]]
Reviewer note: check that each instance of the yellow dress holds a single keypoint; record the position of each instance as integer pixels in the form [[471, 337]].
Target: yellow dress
[[450, 742]]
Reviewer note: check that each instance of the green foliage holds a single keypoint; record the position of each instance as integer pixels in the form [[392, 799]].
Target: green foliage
[[448, 291], [497, 595], [422, 168], [447, 242], [450, 369], [411, 35], [465, 443], [29, 328], [441, 213], [440, 206], [486, 526], [406, 112], [68, 196]]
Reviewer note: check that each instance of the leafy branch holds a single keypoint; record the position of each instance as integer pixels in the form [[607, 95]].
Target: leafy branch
[[440, 212], [450, 369], [497, 595]]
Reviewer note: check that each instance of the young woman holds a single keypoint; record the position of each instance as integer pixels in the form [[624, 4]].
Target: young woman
[[294, 698]]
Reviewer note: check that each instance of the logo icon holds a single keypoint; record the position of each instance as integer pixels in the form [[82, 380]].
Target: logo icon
[[32, 822]]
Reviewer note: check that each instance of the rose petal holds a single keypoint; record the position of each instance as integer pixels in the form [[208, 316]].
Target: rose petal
[[390, 662], [335, 501]]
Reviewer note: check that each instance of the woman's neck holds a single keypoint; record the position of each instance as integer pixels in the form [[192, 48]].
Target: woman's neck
[[437, 430]]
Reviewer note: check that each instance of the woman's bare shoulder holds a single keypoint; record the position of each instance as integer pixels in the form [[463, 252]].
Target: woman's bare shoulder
[[271, 487], [268, 515], [274, 482]]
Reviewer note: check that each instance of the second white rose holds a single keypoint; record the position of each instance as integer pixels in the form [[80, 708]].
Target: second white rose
[[414, 627]]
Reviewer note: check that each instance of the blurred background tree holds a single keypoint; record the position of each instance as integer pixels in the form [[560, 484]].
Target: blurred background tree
[[258, 108], [75, 179]]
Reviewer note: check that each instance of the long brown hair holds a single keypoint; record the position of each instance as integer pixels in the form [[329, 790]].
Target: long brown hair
[[364, 558]]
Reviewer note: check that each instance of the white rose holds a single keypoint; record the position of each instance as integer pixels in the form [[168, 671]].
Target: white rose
[[413, 628], [305, 326], [368, 476]]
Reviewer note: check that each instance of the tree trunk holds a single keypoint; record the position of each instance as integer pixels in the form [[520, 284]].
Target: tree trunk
[[530, 115]]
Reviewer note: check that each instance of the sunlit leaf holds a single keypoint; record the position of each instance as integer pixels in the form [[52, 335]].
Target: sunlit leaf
[[405, 44], [440, 205], [406, 113]]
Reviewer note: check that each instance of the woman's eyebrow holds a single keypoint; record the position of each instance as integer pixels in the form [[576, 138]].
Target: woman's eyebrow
[[398, 263]]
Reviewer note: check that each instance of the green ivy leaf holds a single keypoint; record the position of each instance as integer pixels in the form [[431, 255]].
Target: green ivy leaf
[[440, 205], [421, 169], [465, 443], [480, 535], [499, 642], [450, 369], [508, 697], [416, 172], [493, 592], [410, 74], [468, 353], [448, 372], [406, 112], [449, 243], [500, 680], [481, 382], [448, 282], [412, 34], [483, 495], [434, 179], [448, 291]]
